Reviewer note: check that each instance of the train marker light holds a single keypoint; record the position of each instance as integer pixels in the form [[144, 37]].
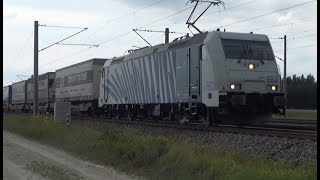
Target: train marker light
[[273, 88]]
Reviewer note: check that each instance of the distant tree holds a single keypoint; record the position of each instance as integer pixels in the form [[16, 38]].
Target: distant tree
[[289, 80], [310, 79], [302, 92], [294, 79]]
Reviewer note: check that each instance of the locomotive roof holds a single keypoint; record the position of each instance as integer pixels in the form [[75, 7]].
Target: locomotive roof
[[194, 40]]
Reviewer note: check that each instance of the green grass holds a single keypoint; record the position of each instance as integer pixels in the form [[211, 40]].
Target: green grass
[[298, 115], [153, 157], [52, 172]]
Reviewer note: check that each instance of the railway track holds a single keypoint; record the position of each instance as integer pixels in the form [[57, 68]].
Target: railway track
[[292, 129], [273, 129]]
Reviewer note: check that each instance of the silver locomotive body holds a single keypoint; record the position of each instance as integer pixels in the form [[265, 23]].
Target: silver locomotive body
[[192, 78]]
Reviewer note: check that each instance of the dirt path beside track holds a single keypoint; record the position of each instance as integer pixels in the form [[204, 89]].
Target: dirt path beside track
[[25, 159]]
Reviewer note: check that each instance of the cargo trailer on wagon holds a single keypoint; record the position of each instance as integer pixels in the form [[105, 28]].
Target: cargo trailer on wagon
[[7, 97], [19, 97], [79, 84], [46, 94]]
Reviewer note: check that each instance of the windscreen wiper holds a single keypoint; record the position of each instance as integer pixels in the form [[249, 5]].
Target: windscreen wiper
[[239, 60]]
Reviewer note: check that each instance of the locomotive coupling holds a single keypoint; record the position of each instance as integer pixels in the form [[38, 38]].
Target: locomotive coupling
[[238, 99]]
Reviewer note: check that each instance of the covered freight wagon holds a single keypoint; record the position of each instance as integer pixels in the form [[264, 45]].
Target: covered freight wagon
[[19, 97], [46, 94], [79, 84], [7, 96]]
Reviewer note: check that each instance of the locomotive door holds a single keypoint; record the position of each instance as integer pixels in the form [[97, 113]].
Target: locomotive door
[[105, 82], [194, 71]]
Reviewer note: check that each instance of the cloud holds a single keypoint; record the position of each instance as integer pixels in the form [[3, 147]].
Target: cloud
[[25, 15], [19, 16], [286, 17]]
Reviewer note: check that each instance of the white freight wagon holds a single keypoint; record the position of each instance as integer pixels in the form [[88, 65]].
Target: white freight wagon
[[79, 84]]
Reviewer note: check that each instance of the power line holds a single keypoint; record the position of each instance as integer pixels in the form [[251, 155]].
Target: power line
[[239, 5], [296, 32], [67, 27], [226, 9], [306, 20], [296, 38], [63, 39], [146, 25], [59, 59], [268, 13], [135, 11], [93, 45], [297, 47]]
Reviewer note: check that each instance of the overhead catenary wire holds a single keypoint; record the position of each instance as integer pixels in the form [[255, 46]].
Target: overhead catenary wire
[[63, 39], [295, 32], [127, 14], [67, 27], [123, 34], [266, 14], [61, 58], [295, 38], [93, 45], [292, 23], [296, 47]]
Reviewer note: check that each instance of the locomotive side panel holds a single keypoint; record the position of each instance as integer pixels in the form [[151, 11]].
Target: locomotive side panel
[[145, 80], [182, 74]]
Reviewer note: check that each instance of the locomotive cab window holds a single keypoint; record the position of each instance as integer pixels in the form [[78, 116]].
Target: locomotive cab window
[[234, 49], [260, 50], [241, 49]]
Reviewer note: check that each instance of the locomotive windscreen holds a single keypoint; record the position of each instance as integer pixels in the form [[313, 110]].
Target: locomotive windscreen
[[244, 49]]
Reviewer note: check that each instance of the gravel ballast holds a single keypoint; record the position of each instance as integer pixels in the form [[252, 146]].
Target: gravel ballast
[[289, 150]]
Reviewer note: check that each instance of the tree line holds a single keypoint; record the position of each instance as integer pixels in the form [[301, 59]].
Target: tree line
[[301, 92]]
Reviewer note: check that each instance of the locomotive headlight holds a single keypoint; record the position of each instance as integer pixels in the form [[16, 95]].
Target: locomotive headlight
[[251, 66], [272, 87], [235, 86]]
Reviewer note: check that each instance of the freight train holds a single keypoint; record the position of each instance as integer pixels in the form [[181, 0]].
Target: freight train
[[210, 77]]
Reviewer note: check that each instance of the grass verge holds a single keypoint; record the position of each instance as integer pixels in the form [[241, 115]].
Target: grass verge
[[153, 157]]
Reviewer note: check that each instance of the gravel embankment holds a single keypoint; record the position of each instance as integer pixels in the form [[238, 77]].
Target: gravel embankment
[[290, 150]]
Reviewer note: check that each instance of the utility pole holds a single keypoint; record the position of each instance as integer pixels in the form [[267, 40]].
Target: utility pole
[[35, 76], [285, 75], [166, 40]]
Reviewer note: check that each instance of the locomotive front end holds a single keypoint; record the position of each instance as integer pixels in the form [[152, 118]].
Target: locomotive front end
[[249, 79]]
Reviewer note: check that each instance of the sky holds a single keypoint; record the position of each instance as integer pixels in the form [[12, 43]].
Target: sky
[[110, 25]]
